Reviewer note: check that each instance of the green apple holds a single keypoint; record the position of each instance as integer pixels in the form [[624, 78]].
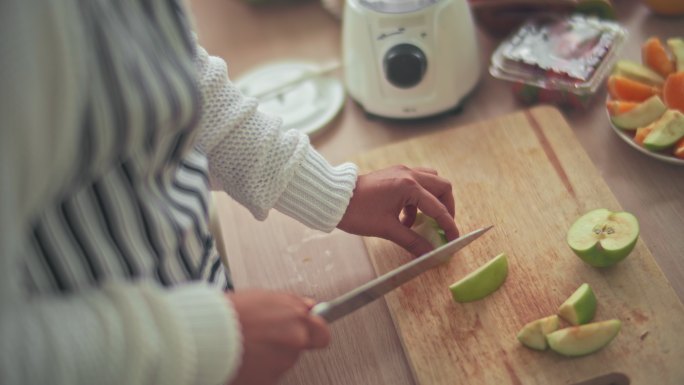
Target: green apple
[[533, 334], [638, 72], [666, 132], [583, 339], [580, 307], [642, 115], [428, 228], [603, 238], [481, 282]]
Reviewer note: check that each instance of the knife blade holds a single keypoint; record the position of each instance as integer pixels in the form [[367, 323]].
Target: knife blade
[[369, 292]]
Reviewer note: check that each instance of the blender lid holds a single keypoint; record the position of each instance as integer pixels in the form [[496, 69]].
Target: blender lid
[[397, 6]]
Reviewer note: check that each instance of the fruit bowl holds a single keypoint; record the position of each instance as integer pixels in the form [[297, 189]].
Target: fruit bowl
[[628, 137], [645, 104]]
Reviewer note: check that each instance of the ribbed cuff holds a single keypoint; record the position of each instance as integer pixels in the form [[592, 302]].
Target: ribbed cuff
[[319, 193], [216, 330]]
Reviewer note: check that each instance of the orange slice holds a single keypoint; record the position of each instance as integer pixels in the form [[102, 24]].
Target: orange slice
[[642, 133], [673, 91], [625, 89], [679, 149], [654, 55], [617, 107]]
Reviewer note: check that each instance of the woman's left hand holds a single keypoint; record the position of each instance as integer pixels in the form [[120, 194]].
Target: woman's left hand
[[381, 196]]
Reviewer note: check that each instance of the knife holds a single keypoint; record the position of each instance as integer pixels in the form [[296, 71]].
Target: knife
[[369, 292]]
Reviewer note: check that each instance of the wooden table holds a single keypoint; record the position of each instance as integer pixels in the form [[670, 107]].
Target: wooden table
[[282, 254]]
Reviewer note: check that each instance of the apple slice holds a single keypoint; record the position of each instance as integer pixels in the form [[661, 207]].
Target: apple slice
[[533, 334], [666, 131], [638, 72], [583, 339], [603, 238], [677, 47], [428, 228], [642, 115], [481, 282], [580, 307]]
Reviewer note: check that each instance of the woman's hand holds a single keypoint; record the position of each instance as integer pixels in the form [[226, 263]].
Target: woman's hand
[[381, 196], [276, 329]]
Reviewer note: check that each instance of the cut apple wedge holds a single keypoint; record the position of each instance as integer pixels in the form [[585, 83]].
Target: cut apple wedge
[[638, 72], [583, 339], [580, 307], [642, 115], [666, 131], [602, 237], [677, 47], [481, 282], [428, 228], [533, 334]]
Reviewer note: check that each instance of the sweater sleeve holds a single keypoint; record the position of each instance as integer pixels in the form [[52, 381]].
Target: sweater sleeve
[[122, 333], [262, 166]]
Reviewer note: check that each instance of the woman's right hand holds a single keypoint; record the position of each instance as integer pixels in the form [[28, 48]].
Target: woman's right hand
[[276, 329]]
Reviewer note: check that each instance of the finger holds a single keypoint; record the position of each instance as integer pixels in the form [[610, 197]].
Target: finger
[[319, 332], [410, 213], [408, 239], [439, 187], [309, 302], [426, 170], [298, 302], [431, 206]]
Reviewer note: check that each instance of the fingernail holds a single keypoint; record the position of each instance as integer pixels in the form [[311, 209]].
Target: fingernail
[[310, 302]]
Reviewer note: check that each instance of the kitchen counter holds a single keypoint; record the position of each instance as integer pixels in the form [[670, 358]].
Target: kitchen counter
[[283, 254]]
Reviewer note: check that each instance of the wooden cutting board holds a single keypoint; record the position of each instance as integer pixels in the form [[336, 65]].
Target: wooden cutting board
[[527, 174]]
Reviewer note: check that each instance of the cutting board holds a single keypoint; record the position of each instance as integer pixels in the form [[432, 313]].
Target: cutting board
[[527, 174]]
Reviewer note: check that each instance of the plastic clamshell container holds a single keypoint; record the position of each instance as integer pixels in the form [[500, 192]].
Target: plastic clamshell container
[[558, 59]]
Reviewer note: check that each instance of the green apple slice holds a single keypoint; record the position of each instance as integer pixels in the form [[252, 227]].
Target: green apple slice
[[481, 282], [583, 339], [603, 238], [677, 47], [666, 132], [642, 115], [428, 228], [638, 72], [533, 334], [580, 307]]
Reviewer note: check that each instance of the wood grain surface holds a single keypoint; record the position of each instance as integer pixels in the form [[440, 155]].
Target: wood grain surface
[[527, 174]]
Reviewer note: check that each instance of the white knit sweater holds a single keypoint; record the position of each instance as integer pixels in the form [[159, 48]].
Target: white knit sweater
[[108, 176]]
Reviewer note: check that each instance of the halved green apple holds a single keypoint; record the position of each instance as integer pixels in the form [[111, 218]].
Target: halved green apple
[[580, 307], [428, 228], [602, 237], [533, 334], [481, 282], [583, 339]]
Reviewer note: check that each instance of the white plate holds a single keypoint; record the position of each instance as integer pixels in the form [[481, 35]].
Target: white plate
[[628, 136], [307, 106]]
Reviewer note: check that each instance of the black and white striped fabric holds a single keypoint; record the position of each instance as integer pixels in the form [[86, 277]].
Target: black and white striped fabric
[[138, 203]]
